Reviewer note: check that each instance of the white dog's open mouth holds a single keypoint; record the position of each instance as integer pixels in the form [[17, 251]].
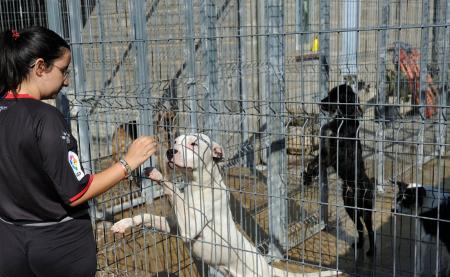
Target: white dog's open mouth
[[172, 165]]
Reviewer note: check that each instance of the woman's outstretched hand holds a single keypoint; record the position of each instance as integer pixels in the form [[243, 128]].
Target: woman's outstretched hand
[[140, 150]]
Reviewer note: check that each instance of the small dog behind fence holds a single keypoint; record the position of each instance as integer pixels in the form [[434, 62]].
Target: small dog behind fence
[[432, 209]]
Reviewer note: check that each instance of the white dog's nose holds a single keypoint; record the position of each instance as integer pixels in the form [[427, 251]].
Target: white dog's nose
[[170, 154]]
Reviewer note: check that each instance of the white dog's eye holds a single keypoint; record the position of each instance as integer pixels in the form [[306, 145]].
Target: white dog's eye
[[194, 144]]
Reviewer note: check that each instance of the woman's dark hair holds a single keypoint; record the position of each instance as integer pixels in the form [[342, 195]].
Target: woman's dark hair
[[20, 49]]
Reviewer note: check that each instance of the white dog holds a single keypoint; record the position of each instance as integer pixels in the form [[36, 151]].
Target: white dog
[[203, 213]]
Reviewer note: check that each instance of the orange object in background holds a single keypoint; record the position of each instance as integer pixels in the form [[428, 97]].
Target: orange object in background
[[409, 63]]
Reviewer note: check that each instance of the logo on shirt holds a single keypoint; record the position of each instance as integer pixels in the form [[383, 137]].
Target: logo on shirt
[[66, 136], [76, 166], [2, 108]]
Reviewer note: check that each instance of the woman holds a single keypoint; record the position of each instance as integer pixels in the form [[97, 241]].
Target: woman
[[45, 229]]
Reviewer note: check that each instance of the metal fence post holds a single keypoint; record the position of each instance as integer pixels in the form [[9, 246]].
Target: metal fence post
[[350, 39], [381, 95], [276, 160], [262, 73], [302, 23], [442, 48], [79, 85], [55, 23], [243, 88], [208, 17], [138, 9], [101, 28], [424, 37], [190, 62], [439, 58], [324, 79], [54, 16], [75, 22]]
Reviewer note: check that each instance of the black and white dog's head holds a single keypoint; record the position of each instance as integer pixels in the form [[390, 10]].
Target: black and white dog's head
[[409, 197], [431, 205], [341, 101], [412, 197]]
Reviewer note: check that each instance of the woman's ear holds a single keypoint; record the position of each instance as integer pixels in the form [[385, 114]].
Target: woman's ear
[[39, 67]]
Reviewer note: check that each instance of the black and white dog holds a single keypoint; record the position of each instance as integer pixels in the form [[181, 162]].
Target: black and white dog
[[433, 210], [340, 148]]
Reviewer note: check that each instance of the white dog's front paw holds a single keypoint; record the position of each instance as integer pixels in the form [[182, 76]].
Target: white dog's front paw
[[122, 225], [153, 174]]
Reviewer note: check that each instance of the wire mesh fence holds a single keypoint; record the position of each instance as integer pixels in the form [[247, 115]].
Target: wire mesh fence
[[251, 75]]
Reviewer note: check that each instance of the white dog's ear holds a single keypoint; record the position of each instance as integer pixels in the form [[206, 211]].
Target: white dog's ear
[[217, 151]]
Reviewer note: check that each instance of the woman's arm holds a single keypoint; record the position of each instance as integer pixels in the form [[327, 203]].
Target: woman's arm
[[139, 151]]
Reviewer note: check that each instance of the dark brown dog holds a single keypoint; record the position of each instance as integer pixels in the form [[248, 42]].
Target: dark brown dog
[[122, 137]]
